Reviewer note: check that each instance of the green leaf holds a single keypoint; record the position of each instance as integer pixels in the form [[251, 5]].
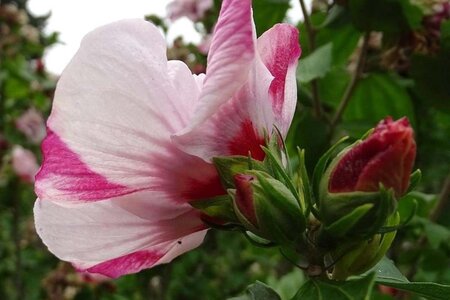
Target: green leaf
[[337, 290], [424, 203], [378, 96], [315, 65], [333, 85], [391, 16], [258, 291], [343, 36], [436, 234], [267, 13], [388, 274], [287, 285]]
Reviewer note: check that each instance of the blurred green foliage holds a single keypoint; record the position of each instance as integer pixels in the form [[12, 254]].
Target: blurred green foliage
[[389, 57]]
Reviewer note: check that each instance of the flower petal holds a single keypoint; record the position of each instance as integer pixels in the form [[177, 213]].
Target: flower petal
[[280, 50], [115, 107], [237, 128], [108, 238], [230, 57]]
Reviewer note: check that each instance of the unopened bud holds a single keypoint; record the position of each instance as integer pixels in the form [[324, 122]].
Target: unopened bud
[[268, 208]]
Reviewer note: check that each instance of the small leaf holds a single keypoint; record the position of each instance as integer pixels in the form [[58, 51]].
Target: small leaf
[[346, 290], [315, 65], [377, 96], [258, 291], [388, 274], [436, 234]]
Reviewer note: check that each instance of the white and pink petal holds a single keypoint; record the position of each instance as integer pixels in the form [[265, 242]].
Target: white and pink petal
[[106, 237], [115, 108], [230, 58], [280, 50], [239, 126]]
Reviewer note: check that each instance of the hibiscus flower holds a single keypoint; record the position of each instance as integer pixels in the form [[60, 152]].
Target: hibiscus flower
[[131, 137]]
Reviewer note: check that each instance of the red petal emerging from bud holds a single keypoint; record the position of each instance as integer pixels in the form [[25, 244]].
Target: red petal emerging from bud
[[244, 197], [386, 157]]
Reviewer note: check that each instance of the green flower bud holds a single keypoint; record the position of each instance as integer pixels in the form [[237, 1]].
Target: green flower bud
[[357, 258], [267, 208]]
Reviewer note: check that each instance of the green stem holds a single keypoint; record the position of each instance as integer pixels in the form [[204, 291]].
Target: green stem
[[353, 82], [310, 31], [311, 34]]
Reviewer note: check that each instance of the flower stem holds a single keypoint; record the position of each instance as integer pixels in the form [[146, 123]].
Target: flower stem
[[309, 28], [353, 82], [311, 34]]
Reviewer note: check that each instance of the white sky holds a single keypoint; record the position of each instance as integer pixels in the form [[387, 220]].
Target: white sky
[[74, 18]]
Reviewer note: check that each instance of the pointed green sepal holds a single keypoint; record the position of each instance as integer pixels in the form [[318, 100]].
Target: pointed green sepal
[[220, 208], [354, 259], [229, 166], [304, 186], [321, 166], [414, 180], [342, 226]]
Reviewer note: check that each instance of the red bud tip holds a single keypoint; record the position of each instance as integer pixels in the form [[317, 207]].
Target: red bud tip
[[385, 157], [244, 197]]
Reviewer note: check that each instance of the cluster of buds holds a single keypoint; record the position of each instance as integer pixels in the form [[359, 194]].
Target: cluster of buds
[[342, 223]]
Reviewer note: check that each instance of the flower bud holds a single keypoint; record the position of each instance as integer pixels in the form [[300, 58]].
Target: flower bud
[[267, 208], [359, 188], [244, 198], [386, 157], [357, 258]]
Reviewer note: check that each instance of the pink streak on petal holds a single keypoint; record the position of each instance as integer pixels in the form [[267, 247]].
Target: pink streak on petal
[[279, 50], [127, 264], [247, 141], [68, 174], [185, 177]]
